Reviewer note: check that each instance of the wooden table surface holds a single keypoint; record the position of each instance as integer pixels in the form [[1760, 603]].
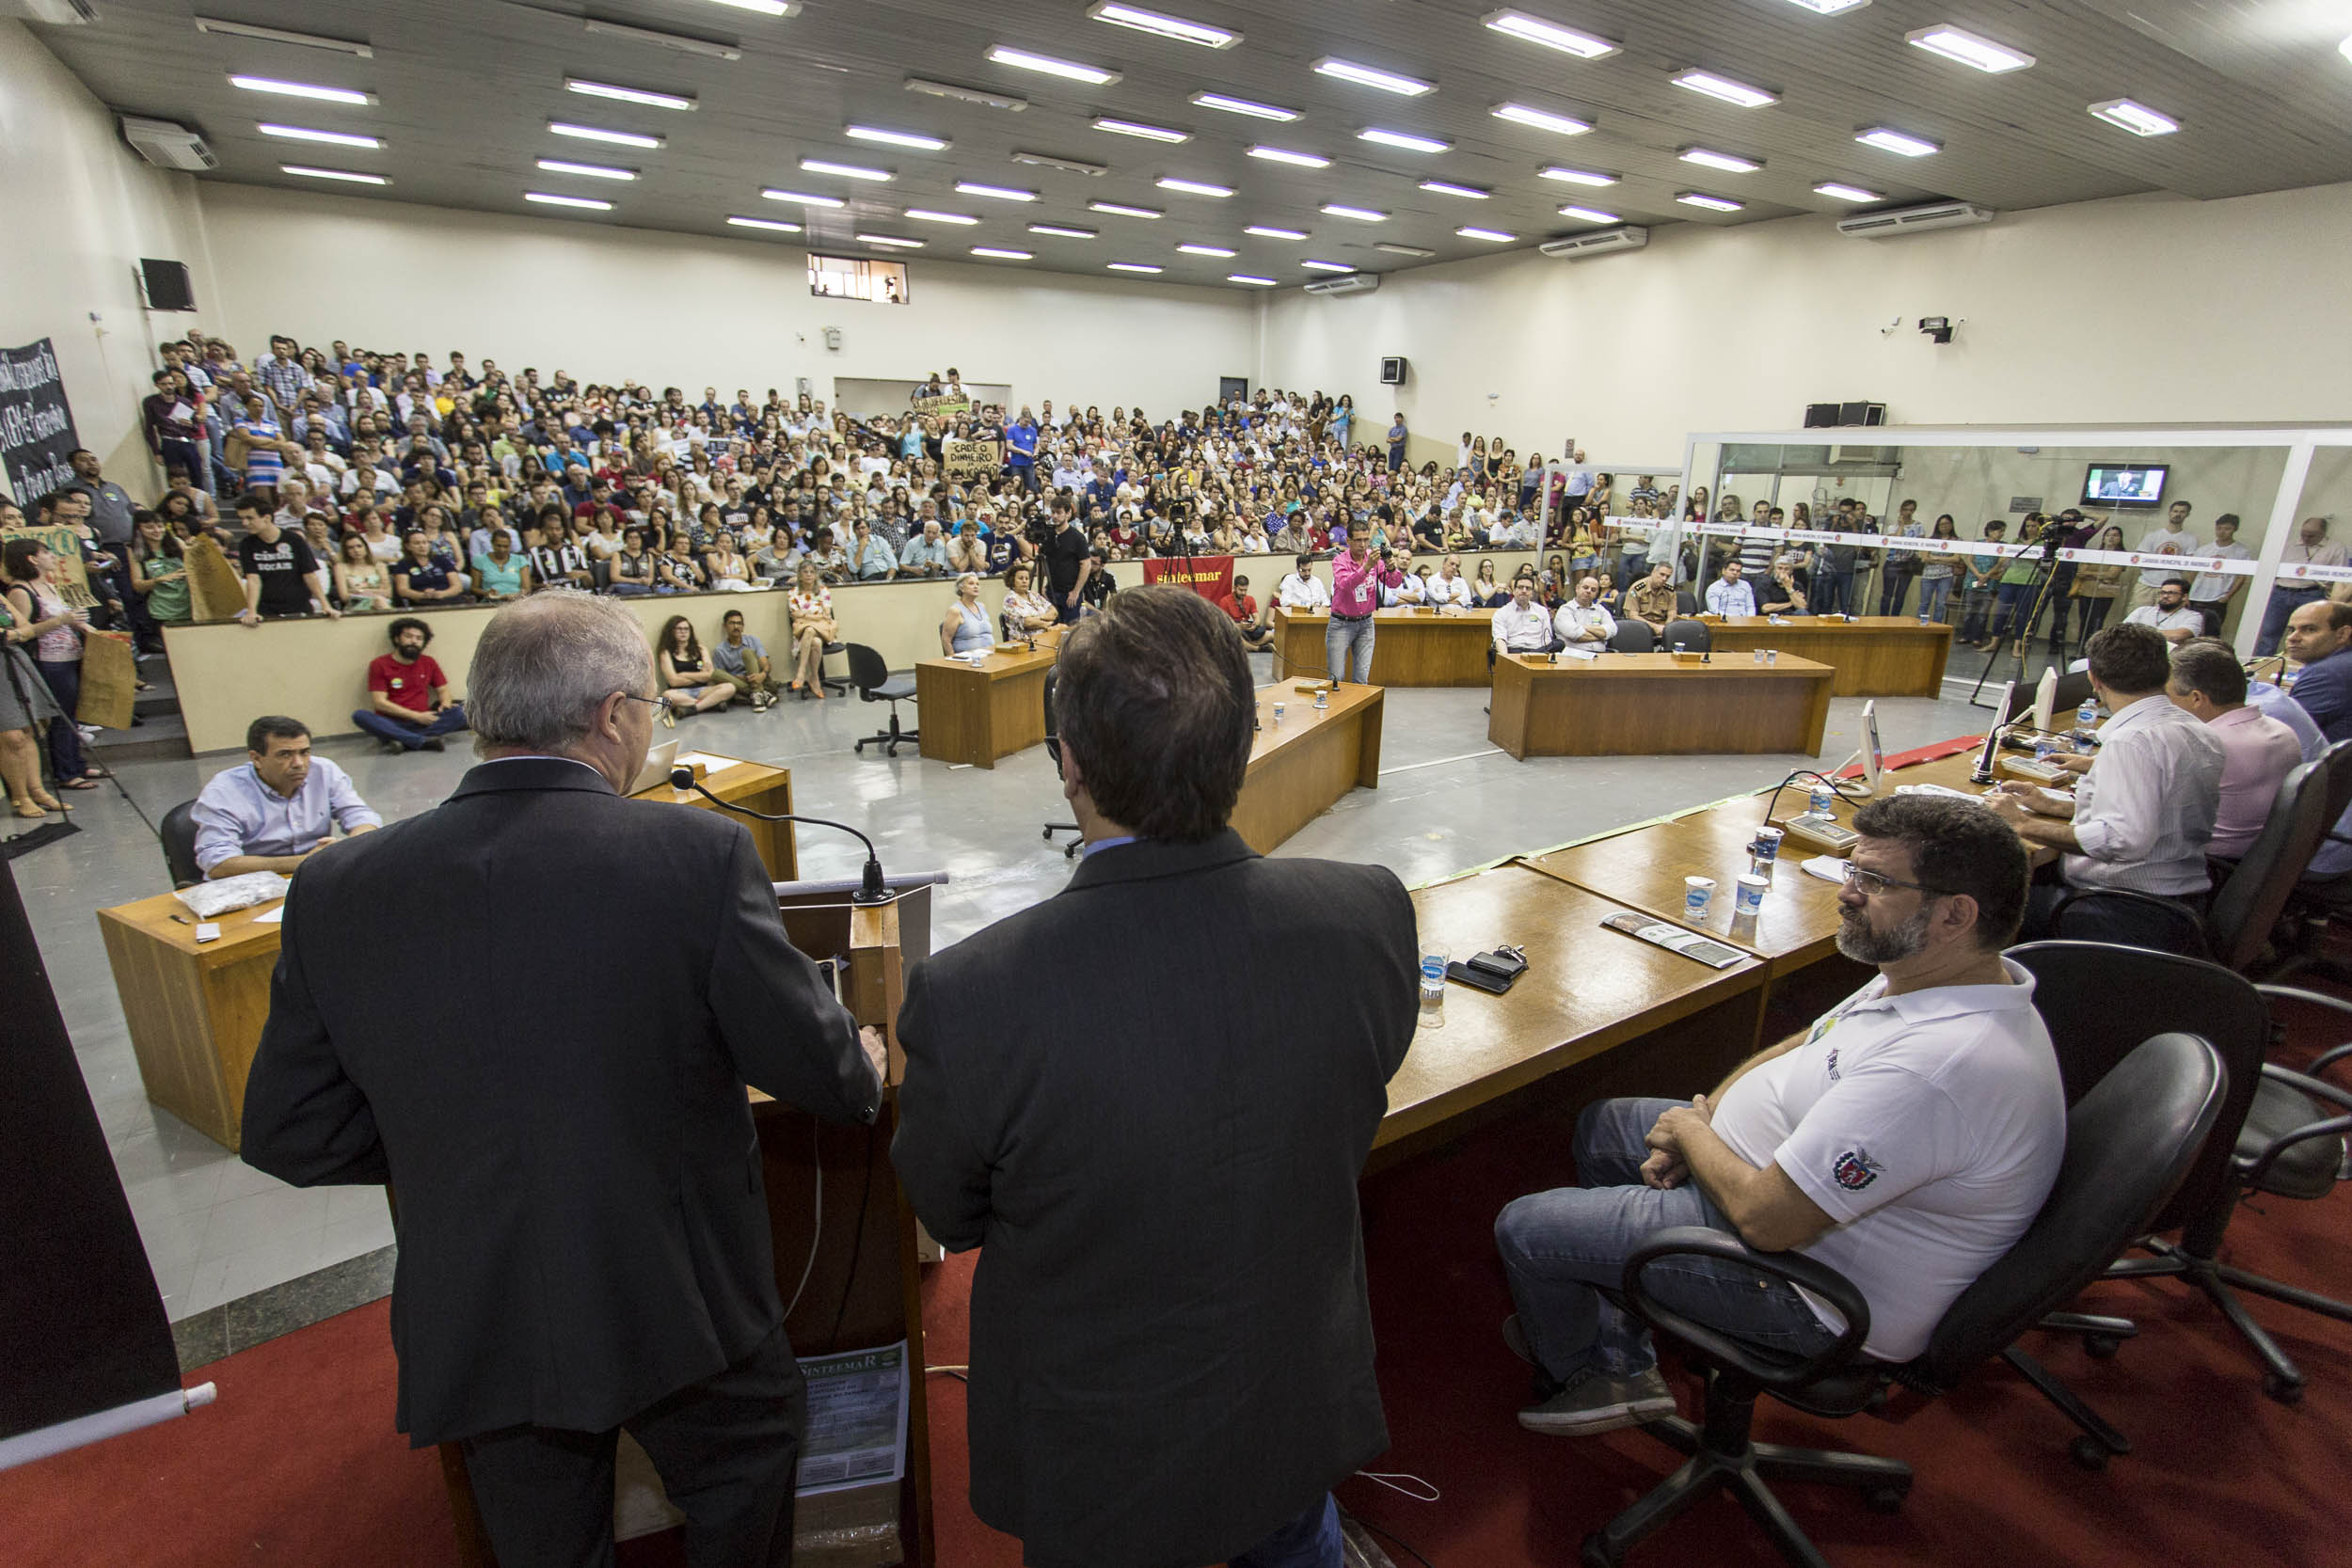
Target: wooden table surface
[[976, 711], [1587, 991], [1306, 760], [1410, 647], [757, 785], [1874, 656], [1656, 704]]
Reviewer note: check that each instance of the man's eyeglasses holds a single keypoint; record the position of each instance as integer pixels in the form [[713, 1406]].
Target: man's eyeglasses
[[654, 702], [1869, 884]]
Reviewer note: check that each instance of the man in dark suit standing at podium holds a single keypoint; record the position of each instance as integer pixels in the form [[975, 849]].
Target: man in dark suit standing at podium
[[1157, 1149], [559, 1109]]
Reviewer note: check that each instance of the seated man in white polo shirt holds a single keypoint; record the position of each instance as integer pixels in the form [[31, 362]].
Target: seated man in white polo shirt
[[1906, 1140], [2171, 615], [1522, 626]]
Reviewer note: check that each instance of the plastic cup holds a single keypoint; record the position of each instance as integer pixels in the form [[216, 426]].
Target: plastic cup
[[1697, 893], [1749, 898], [1323, 698], [1766, 847], [1759, 656], [1278, 712], [1772, 656]]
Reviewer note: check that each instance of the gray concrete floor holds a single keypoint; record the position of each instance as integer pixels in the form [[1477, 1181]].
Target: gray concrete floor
[[216, 1229]]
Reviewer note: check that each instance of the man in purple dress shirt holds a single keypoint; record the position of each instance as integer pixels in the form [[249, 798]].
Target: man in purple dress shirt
[[1356, 577]]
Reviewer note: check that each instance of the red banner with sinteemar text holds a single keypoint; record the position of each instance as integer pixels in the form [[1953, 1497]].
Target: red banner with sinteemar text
[[1209, 576]]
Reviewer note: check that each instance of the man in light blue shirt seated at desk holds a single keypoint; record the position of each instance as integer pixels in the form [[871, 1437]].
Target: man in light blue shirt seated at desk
[[279, 809], [1728, 595]]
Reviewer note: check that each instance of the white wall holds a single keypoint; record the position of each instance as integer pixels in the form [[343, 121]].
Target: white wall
[[82, 209], [2155, 310], [605, 302]]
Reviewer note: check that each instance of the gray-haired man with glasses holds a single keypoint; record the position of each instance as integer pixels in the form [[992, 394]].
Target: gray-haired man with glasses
[[1906, 1140]]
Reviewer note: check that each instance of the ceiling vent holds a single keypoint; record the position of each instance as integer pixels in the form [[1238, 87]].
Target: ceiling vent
[[167, 145], [55, 13], [1630, 236], [1915, 220], [1349, 283]]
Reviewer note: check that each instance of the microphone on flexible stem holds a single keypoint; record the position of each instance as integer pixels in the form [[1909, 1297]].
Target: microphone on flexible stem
[[873, 891]]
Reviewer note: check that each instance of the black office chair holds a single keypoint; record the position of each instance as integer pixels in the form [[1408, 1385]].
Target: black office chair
[[1632, 637], [1694, 634], [179, 835], [2128, 1141], [1053, 749], [1686, 602], [875, 684], [833, 683]]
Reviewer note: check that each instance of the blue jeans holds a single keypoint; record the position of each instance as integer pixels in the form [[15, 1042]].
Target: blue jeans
[[1632, 568], [1558, 1245], [2284, 601], [65, 741], [411, 736], [1309, 1541], [2016, 603], [1344, 639], [1832, 592], [1934, 592], [1893, 587]]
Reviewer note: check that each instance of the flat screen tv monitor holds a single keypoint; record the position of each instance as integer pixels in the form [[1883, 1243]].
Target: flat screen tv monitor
[[1873, 755], [2125, 483]]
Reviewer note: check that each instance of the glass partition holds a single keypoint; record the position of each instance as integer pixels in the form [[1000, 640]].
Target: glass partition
[[2312, 565]]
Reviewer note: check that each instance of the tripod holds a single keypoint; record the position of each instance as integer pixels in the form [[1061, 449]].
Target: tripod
[[2044, 573]]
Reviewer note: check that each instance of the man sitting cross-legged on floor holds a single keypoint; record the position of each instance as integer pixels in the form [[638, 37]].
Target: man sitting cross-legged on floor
[[1906, 1140]]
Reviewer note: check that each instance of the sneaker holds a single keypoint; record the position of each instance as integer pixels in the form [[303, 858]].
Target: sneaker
[[1594, 1402], [435, 744]]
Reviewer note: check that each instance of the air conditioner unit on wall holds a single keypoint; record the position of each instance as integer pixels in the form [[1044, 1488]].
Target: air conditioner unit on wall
[[167, 145], [55, 13], [1915, 220], [1349, 283], [1630, 236]]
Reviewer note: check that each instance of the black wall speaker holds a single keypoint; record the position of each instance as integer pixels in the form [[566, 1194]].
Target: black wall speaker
[[1392, 371], [1862, 413], [167, 285], [1820, 416]]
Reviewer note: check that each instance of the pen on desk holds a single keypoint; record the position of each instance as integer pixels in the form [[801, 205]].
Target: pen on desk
[[180, 918]]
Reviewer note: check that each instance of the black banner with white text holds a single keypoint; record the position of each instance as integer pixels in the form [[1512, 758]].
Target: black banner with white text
[[35, 421]]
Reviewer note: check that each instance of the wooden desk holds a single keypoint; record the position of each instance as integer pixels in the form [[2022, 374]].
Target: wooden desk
[[1654, 705], [1587, 991], [1409, 647], [752, 785], [977, 713], [196, 1011], [1874, 656], [1299, 767]]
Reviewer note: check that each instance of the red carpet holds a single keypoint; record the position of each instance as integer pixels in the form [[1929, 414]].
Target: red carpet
[[297, 1466]]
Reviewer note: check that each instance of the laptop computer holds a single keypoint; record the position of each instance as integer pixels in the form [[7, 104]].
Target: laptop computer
[[657, 768]]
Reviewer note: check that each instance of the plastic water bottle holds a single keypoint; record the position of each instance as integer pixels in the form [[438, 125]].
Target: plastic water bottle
[[1433, 965], [2086, 715]]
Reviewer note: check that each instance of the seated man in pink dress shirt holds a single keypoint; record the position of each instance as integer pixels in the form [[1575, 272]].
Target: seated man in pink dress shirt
[[2258, 751], [1356, 577]]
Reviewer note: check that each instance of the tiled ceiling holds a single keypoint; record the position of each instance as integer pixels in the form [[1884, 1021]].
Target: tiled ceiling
[[465, 91]]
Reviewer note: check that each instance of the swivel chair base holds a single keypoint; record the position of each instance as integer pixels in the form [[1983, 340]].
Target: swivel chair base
[[2283, 1380], [890, 739]]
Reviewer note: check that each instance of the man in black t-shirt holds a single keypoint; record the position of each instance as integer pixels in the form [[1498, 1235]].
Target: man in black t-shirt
[[1069, 563], [281, 575]]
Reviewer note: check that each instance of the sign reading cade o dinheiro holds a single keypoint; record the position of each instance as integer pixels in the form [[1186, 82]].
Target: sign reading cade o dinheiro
[[963, 462], [35, 421]]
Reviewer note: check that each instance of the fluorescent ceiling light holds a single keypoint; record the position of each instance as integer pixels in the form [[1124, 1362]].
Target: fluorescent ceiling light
[[1726, 89], [1589, 215], [2138, 119], [1284, 155], [279, 35], [1134, 266], [1121, 209], [1844, 192], [1361, 214], [708, 49], [1000, 193], [336, 138], [301, 90], [1068, 165], [1891, 140], [1326, 266], [998, 253], [1712, 203], [1250, 277], [1578, 176], [1061, 232], [1729, 163], [966, 95], [1266, 231], [1206, 250], [1365, 77], [1829, 7], [845, 171], [549, 199], [1400, 138], [1542, 119], [590, 133], [895, 242], [591, 171], [775, 225], [1404, 249], [1535, 29], [1174, 27], [352, 176], [765, 8], [1969, 49], [924, 215], [1446, 187], [894, 138], [1242, 106], [1022, 60], [1495, 235], [804, 198], [1136, 128], [628, 95], [1192, 187]]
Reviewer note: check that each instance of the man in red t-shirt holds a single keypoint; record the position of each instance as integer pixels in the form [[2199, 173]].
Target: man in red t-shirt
[[408, 706], [1244, 609]]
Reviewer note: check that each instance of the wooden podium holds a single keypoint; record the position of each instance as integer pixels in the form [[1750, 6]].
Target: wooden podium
[[863, 1288]]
